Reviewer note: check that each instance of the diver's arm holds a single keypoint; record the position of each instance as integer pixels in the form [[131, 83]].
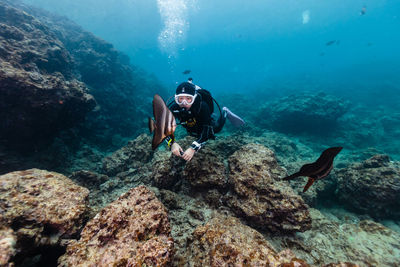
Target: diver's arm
[[206, 133], [175, 148], [170, 141]]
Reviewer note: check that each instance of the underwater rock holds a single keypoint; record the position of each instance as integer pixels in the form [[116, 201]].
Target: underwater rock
[[371, 187], [88, 179], [185, 213], [39, 94], [133, 230], [134, 155], [42, 207], [8, 242], [122, 91], [304, 113], [206, 170], [259, 197], [365, 243], [167, 169], [225, 241]]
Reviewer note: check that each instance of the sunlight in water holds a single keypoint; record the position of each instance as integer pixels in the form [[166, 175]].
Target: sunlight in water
[[306, 16], [174, 14]]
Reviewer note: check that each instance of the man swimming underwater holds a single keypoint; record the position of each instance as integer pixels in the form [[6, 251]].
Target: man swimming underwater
[[193, 108]]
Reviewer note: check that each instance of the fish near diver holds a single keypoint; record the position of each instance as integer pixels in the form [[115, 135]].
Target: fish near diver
[[318, 169], [193, 107], [164, 125]]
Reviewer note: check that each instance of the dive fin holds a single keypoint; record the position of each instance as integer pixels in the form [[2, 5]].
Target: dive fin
[[233, 118], [309, 183]]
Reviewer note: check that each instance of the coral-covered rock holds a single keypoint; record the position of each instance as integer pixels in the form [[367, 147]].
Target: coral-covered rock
[[133, 231], [42, 207], [134, 155], [259, 197], [8, 242], [365, 243], [308, 113], [206, 169], [371, 187], [88, 179], [224, 241], [39, 94], [166, 169], [123, 91]]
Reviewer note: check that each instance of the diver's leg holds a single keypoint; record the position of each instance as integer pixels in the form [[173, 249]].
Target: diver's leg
[[219, 124], [233, 118]]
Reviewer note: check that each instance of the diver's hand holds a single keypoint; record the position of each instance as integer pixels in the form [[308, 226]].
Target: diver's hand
[[188, 155], [176, 149]]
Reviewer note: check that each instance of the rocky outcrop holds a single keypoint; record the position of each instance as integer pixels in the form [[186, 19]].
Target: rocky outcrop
[[365, 242], [39, 94], [259, 197], [224, 241], [123, 92], [8, 242], [305, 113], [133, 231], [167, 169], [371, 187], [41, 207], [206, 170], [134, 155], [48, 67]]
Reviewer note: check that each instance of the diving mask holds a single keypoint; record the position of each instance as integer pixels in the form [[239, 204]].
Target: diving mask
[[185, 99]]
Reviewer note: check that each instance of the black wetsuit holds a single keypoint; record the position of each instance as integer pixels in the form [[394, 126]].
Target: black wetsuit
[[199, 121]]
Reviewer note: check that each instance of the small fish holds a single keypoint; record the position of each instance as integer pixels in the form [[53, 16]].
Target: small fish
[[186, 72], [321, 54], [318, 169], [164, 124], [330, 43], [363, 10]]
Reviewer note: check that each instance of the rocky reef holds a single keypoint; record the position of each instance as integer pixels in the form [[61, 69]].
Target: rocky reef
[[64, 91], [235, 210], [39, 210], [371, 187], [364, 242], [39, 92], [259, 196], [126, 205], [225, 241], [309, 113], [132, 231]]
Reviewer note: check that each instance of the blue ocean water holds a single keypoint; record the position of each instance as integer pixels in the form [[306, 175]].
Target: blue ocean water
[[242, 45]]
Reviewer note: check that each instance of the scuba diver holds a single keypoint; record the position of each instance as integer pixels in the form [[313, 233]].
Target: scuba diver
[[194, 107]]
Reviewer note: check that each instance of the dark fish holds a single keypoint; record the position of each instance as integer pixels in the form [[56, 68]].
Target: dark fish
[[319, 169], [321, 54], [363, 10], [330, 43], [164, 124], [186, 72]]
